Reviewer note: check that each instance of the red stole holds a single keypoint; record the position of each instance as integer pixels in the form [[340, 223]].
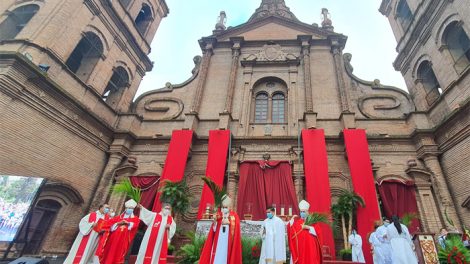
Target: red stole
[[234, 255], [84, 242], [153, 240], [304, 247]]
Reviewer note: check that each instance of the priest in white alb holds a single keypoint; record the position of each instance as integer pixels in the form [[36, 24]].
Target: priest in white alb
[[84, 247], [273, 250], [160, 229]]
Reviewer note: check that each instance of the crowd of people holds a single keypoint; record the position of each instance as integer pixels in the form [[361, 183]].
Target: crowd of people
[[11, 217]]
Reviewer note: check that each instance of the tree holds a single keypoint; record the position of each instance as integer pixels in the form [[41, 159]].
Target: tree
[[345, 209]]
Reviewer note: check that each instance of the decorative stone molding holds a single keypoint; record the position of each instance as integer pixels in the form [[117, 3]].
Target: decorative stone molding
[[272, 8], [271, 53], [152, 105]]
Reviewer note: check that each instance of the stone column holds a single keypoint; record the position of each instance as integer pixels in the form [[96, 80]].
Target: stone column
[[233, 73], [444, 197], [106, 180], [307, 73], [206, 58], [298, 173], [232, 189], [428, 152], [339, 70]]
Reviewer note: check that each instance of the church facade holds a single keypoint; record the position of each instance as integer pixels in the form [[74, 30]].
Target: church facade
[[79, 126]]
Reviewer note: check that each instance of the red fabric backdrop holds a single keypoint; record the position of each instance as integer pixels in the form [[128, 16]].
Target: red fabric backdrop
[[263, 184], [399, 198], [216, 163], [149, 187], [360, 167], [175, 162], [317, 180]]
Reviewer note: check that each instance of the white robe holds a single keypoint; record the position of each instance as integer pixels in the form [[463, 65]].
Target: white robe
[[402, 246], [385, 247], [356, 243], [221, 253], [375, 243], [273, 249], [85, 228], [148, 217]]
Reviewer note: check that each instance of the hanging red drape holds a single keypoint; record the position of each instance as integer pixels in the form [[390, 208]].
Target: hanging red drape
[[357, 151], [149, 187], [317, 180], [264, 183], [216, 162], [175, 162], [399, 198]]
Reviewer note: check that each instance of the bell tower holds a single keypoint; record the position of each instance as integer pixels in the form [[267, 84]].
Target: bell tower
[[95, 50]]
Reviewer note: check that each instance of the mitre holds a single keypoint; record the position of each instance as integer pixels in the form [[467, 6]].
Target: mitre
[[304, 205], [226, 201], [131, 204]]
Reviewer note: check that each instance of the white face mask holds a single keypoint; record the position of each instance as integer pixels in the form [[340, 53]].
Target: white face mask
[[166, 212], [225, 210], [112, 214]]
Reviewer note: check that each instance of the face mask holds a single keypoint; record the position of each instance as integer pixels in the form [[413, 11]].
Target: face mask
[[225, 210], [129, 211], [166, 212], [112, 214], [386, 224], [106, 210], [269, 215], [303, 215]]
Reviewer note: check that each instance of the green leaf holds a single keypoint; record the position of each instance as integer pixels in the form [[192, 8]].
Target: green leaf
[[314, 218], [217, 191], [125, 187]]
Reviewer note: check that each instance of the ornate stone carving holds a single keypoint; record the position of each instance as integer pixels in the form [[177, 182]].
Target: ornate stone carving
[[273, 8], [372, 112], [271, 52], [221, 21], [169, 108]]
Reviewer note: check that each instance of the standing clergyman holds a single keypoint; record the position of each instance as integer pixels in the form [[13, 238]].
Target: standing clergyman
[[273, 249]]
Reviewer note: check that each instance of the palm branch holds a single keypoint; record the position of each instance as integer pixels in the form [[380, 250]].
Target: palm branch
[[407, 218], [314, 218], [217, 191], [125, 187], [448, 218]]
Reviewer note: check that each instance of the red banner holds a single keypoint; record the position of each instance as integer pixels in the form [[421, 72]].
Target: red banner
[[215, 167], [360, 167], [175, 162], [317, 180]]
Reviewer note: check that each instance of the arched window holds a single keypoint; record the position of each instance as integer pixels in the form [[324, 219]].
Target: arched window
[[85, 56], [261, 108], [458, 43], [16, 21], [143, 19], [116, 85], [429, 81], [125, 3], [404, 15], [278, 114]]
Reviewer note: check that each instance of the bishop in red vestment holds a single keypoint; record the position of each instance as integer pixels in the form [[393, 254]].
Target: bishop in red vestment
[[303, 241], [123, 230], [223, 244]]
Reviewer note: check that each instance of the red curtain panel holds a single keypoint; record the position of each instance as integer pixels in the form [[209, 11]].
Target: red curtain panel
[[360, 167], [149, 187], [264, 183], [317, 180], [216, 163], [175, 162], [399, 198]]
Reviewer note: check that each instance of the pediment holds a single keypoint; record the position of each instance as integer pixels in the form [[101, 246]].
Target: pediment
[[273, 28]]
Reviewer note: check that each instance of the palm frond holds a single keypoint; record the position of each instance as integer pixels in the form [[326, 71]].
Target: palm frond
[[314, 218], [217, 191], [407, 218], [448, 218], [125, 187]]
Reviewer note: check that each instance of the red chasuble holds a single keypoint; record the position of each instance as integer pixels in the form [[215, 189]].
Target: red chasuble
[[153, 240], [304, 247], [119, 240], [104, 232], [234, 255]]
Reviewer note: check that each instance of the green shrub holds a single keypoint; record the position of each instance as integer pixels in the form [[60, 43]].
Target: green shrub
[[251, 249], [455, 252], [191, 252]]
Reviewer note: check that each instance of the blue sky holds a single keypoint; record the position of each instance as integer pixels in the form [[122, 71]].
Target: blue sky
[[370, 38]]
